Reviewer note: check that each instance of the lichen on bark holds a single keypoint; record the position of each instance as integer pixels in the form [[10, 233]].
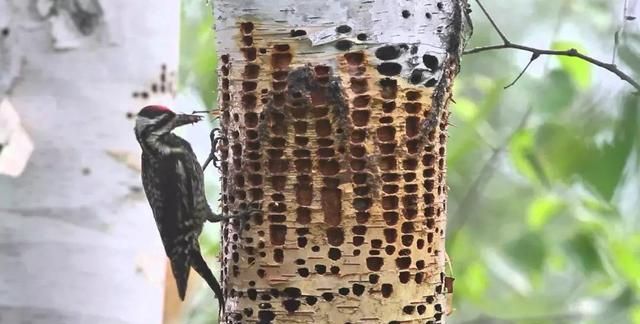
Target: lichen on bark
[[335, 115]]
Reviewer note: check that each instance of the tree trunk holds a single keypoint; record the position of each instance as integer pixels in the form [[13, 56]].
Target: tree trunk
[[335, 115], [78, 243]]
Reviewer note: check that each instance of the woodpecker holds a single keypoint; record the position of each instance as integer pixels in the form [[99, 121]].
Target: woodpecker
[[173, 183]]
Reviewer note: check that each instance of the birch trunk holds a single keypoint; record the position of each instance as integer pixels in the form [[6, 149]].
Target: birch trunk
[[335, 114], [78, 243]]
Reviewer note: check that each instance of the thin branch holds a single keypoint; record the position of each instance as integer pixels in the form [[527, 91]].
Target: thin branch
[[504, 38], [536, 51], [534, 56]]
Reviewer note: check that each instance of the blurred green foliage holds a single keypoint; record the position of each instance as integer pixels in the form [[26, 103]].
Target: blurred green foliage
[[198, 58], [544, 176], [544, 229]]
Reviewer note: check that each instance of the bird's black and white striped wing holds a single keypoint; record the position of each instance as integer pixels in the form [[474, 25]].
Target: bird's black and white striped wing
[[173, 211]]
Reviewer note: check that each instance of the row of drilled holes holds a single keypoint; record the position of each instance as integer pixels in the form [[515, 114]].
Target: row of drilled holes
[[277, 166], [225, 99], [385, 134], [331, 195], [292, 302], [303, 162], [361, 102], [356, 68], [387, 162]]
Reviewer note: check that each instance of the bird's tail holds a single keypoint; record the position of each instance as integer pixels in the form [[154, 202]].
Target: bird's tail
[[180, 268], [198, 263]]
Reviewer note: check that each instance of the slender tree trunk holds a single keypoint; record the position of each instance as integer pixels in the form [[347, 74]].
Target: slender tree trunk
[[335, 114], [78, 243]]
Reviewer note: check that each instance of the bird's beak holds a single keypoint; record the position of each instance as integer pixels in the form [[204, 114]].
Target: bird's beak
[[184, 119]]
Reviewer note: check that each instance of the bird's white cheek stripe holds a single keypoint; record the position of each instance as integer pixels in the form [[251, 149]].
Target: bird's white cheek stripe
[[164, 129], [142, 123]]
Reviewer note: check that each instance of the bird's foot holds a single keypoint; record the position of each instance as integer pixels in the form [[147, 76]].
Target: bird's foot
[[241, 216], [215, 147]]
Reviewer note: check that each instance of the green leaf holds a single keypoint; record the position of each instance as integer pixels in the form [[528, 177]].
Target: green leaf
[[562, 151], [597, 205], [532, 260], [583, 249], [557, 261], [579, 70], [634, 313], [473, 282], [542, 209], [210, 241], [521, 149], [556, 93], [467, 136], [460, 247], [465, 109], [627, 259], [567, 151], [605, 169], [198, 58]]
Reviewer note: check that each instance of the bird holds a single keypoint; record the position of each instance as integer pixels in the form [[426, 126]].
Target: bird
[[173, 183]]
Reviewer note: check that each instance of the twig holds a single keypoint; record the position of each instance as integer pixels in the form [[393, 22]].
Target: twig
[[534, 56], [504, 38], [572, 52]]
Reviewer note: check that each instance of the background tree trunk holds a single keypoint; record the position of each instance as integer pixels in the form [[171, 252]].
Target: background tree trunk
[[335, 118], [78, 243]]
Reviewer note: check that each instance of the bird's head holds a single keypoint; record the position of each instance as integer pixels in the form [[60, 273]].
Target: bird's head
[[159, 120]]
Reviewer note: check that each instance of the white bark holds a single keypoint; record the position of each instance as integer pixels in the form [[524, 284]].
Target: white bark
[[77, 240], [336, 118]]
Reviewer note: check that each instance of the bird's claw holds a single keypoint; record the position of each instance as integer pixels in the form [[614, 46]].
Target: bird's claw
[[241, 216], [215, 140]]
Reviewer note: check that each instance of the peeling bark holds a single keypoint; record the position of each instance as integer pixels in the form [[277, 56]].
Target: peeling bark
[[336, 118]]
